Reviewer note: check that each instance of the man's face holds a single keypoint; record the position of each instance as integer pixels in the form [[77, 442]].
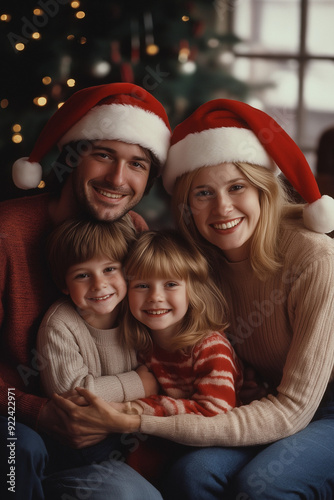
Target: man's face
[[110, 179]]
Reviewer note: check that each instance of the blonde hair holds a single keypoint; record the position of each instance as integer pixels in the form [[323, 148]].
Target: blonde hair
[[163, 255], [78, 240], [276, 207]]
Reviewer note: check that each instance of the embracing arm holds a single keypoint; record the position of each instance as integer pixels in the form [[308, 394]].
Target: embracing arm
[[307, 372]]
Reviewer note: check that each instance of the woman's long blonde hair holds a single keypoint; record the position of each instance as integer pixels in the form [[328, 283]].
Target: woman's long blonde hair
[[275, 204], [165, 255]]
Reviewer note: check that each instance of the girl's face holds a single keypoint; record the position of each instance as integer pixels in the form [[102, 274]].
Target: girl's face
[[225, 208], [160, 304], [97, 286]]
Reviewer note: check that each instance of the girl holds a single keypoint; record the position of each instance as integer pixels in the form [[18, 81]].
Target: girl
[[175, 320]]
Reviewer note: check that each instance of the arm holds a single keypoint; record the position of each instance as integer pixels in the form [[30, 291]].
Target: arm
[[71, 359], [217, 375], [307, 371]]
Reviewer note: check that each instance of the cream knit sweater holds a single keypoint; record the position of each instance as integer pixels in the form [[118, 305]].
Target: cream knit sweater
[[284, 327], [74, 354]]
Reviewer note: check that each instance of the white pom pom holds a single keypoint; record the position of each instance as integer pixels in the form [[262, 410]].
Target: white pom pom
[[319, 215], [26, 175]]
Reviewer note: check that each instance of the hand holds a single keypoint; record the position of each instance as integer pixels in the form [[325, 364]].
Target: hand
[[130, 408], [72, 395], [97, 417], [253, 388], [149, 381], [61, 426]]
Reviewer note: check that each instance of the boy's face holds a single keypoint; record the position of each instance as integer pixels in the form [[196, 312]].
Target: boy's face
[[97, 287]]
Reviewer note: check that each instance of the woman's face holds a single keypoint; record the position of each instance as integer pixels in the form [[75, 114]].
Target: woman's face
[[225, 208]]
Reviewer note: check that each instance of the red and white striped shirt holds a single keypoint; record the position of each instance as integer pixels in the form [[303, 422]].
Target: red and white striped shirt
[[204, 382]]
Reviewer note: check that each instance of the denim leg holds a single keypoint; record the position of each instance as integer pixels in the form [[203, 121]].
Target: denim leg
[[30, 455], [294, 468], [109, 480], [205, 473], [297, 467]]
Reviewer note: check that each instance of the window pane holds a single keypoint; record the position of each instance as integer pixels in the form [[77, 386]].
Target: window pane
[[318, 101], [320, 32], [267, 25], [319, 86], [273, 87]]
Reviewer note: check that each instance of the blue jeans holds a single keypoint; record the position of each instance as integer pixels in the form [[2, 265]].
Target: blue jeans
[[297, 467], [47, 470], [29, 454]]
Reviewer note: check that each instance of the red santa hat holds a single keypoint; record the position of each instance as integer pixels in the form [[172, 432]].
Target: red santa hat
[[116, 111], [224, 130]]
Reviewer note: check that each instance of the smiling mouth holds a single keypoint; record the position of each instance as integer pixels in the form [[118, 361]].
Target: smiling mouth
[[157, 312], [99, 299], [113, 196], [227, 225]]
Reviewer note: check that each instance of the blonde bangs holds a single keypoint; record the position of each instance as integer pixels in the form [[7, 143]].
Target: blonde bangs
[[158, 256]]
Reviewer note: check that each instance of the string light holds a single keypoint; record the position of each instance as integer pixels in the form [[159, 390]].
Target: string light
[[75, 4], [80, 14], [17, 138], [40, 101], [4, 103], [16, 127], [38, 12], [5, 17], [71, 82], [46, 80], [41, 185], [185, 19], [20, 46], [152, 49], [36, 36]]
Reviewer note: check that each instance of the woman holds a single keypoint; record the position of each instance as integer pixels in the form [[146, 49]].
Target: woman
[[278, 278]]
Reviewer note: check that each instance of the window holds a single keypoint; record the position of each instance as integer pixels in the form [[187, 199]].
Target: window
[[286, 55]]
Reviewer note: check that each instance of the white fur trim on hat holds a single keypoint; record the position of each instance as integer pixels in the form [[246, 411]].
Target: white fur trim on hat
[[212, 147], [319, 215], [124, 123], [26, 175]]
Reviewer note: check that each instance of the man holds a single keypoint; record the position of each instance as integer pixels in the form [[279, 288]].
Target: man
[[113, 140]]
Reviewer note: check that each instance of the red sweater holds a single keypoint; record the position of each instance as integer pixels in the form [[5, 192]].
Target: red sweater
[[26, 291], [204, 382]]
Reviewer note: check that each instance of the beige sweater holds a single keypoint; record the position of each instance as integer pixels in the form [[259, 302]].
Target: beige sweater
[[284, 327], [74, 354]]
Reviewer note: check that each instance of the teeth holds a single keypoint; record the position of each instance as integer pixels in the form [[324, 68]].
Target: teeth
[[156, 312], [228, 225], [110, 195], [101, 298]]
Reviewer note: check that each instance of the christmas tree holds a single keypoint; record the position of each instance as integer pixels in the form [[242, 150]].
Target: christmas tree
[[52, 48]]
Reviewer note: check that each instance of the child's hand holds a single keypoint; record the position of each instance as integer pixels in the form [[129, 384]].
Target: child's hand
[[130, 408], [149, 381], [73, 396], [252, 387]]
